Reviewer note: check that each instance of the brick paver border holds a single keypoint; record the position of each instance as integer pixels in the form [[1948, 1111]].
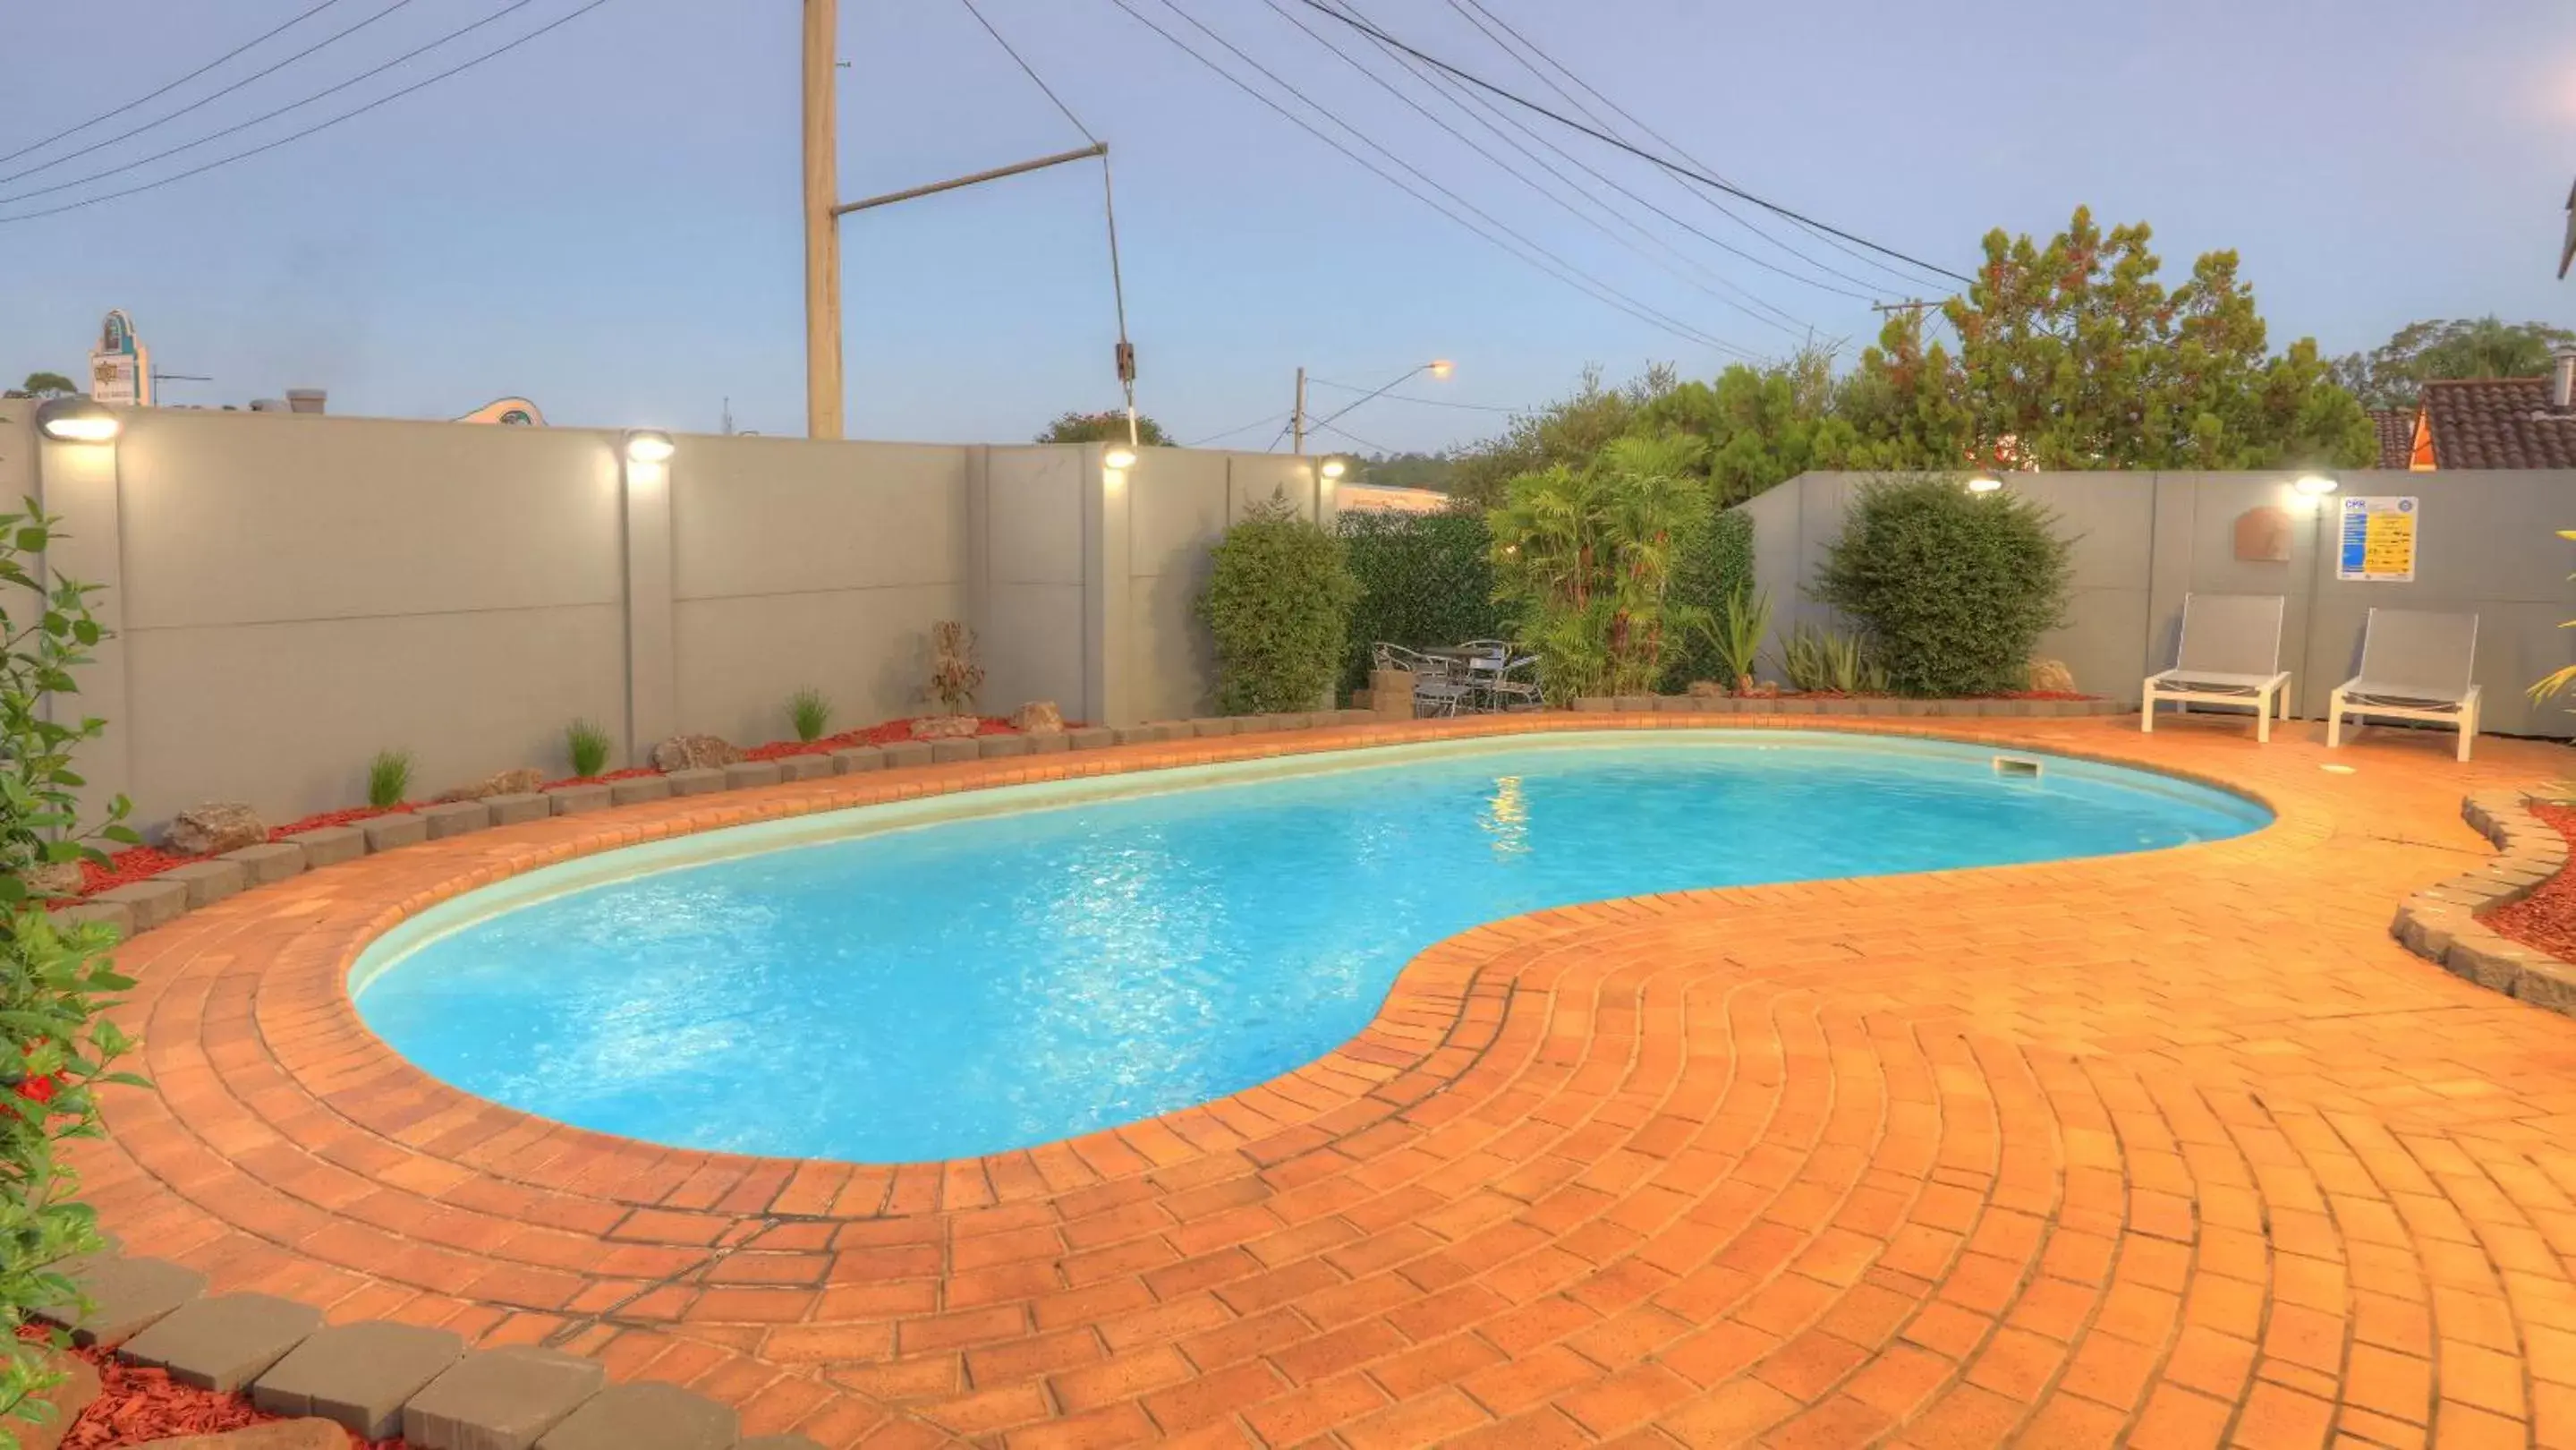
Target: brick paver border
[[2176, 1147]]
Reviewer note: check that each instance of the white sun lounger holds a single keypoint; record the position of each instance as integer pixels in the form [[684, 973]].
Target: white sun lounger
[[2230, 655], [2415, 665]]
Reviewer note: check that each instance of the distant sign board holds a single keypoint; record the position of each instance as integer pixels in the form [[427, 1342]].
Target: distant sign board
[[120, 369], [2377, 545]]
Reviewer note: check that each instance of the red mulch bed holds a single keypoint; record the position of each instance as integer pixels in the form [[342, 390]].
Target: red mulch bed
[[603, 778], [2546, 919], [891, 732], [139, 1406], [327, 819]]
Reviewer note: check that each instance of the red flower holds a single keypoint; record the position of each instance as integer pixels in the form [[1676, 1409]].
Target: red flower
[[40, 1088]]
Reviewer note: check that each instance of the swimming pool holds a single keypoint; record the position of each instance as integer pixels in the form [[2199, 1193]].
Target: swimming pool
[[905, 982]]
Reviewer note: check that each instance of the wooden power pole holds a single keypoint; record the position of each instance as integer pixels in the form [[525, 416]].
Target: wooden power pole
[[822, 227]]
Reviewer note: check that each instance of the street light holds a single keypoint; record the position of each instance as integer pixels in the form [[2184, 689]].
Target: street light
[[1437, 367], [76, 420]]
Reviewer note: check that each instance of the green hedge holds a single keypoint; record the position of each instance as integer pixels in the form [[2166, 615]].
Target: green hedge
[[1278, 603], [1715, 561], [1953, 588], [1425, 579]]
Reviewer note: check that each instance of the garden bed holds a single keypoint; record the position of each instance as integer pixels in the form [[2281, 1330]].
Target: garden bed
[[2509, 925], [137, 1406]]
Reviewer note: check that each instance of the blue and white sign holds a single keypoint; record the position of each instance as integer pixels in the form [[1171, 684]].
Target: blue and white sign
[[2377, 542]]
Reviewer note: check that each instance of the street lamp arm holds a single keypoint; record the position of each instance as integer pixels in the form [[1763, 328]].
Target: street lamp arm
[[1437, 368]]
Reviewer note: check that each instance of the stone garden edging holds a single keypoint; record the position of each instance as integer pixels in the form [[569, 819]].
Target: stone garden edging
[[140, 906], [2441, 924], [379, 1378], [1875, 705]]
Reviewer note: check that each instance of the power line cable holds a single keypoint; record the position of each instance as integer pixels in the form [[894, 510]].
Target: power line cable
[[1246, 428], [240, 126], [1409, 398], [1606, 179], [1030, 71], [329, 40], [324, 125], [1355, 438], [154, 95], [1560, 269], [1473, 9], [1677, 168], [1782, 322]]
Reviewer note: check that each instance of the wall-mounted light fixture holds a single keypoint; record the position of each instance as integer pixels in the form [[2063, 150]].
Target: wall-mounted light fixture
[[1120, 458], [646, 446], [2318, 485], [77, 420], [1334, 468], [1985, 483]]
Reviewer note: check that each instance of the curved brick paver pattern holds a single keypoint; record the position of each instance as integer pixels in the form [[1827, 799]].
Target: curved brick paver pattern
[[2176, 1149]]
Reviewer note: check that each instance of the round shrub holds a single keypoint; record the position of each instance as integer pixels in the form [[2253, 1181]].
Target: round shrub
[[1279, 604], [1954, 588]]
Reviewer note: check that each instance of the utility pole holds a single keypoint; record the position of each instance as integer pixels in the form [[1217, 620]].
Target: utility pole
[[1297, 416], [822, 227]]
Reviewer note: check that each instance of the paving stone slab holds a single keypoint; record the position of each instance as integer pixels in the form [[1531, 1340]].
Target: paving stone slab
[[1050, 742], [804, 767], [147, 903], [224, 1342], [268, 863], [306, 1434], [358, 1375], [1091, 737], [1001, 747], [1207, 726], [1136, 734], [499, 1399], [573, 800], [907, 753], [118, 915], [329, 845], [703, 780], [645, 1416], [859, 759], [208, 881], [454, 818], [949, 752], [517, 809], [637, 789], [745, 774], [384, 833]]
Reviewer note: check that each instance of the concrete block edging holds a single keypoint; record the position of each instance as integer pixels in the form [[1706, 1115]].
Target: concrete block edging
[[2442, 922]]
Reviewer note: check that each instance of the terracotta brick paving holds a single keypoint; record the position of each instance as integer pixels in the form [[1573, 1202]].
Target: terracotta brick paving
[[2172, 1149]]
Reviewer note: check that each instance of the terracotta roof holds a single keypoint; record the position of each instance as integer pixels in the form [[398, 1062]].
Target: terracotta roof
[[2498, 423], [2396, 435]]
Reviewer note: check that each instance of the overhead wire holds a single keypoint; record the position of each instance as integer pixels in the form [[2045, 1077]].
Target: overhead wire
[[1472, 10], [239, 126], [1261, 422], [1553, 266], [1462, 94], [1379, 448], [1751, 306], [333, 38], [1409, 398], [1605, 137], [153, 95], [1108, 206], [324, 125]]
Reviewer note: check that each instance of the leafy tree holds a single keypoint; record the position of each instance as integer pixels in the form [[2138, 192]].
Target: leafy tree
[[1571, 432], [1953, 588], [2391, 375], [2073, 355], [1278, 600], [1108, 427], [48, 385], [1586, 558]]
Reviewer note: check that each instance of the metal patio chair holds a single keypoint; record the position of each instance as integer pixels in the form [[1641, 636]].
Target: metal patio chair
[[2415, 665], [2230, 655]]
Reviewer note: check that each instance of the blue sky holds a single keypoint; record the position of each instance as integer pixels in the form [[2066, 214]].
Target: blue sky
[[606, 218]]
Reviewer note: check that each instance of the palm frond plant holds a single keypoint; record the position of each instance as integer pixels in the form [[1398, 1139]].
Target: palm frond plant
[[1586, 558]]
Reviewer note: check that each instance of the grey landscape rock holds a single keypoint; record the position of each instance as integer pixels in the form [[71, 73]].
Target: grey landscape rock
[[1038, 717], [526, 780], [694, 752], [214, 828]]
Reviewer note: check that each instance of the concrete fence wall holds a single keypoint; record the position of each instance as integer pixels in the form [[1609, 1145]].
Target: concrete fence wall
[[293, 593], [2485, 544]]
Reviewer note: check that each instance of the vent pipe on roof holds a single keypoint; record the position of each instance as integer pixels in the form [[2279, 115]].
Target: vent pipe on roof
[[2562, 379]]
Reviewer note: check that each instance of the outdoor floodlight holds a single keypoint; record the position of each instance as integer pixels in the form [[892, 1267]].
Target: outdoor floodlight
[[644, 446], [2318, 485], [1120, 458], [77, 420], [1984, 483], [1334, 468]]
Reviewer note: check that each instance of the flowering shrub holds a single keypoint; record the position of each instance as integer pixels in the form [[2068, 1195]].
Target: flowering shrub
[[55, 980]]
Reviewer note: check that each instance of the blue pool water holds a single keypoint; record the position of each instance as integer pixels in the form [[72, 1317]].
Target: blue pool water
[[991, 982]]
